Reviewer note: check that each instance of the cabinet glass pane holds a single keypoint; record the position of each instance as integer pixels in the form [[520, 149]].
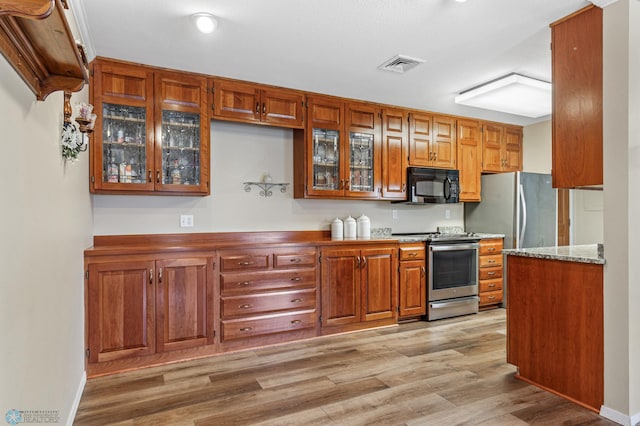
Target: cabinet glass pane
[[180, 148], [361, 161], [124, 149], [326, 159]]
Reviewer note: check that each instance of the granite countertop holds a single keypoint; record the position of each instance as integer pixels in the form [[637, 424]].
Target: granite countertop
[[590, 253], [386, 233]]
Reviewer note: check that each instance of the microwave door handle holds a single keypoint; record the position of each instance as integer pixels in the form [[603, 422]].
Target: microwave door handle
[[447, 188]]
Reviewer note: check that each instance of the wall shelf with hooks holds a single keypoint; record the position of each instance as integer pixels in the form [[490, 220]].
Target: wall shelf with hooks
[[265, 187]]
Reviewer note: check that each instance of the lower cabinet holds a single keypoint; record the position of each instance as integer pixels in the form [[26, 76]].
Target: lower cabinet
[[359, 287], [267, 295], [490, 288], [142, 307], [412, 287]]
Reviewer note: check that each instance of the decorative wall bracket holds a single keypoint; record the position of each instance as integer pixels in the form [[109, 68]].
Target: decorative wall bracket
[[265, 187]]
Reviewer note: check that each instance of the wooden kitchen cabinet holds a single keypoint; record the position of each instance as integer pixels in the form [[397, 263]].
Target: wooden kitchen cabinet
[[469, 141], [339, 155], [577, 126], [395, 153], [490, 264], [138, 308], [501, 148], [412, 285], [267, 295], [257, 104], [358, 287], [152, 131], [432, 141]]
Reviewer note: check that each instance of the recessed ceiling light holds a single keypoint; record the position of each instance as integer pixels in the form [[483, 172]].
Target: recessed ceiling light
[[513, 94], [205, 22]]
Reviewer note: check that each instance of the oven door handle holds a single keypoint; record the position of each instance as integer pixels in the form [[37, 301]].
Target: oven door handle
[[451, 247]]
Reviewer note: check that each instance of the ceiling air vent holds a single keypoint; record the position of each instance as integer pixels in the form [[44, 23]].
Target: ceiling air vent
[[400, 63]]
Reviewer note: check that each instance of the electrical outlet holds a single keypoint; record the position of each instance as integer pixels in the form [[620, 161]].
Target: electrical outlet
[[186, 221], [394, 214], [447, 214]]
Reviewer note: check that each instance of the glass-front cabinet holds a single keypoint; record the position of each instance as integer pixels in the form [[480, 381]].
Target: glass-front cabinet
[[150, 135], [343, 155]]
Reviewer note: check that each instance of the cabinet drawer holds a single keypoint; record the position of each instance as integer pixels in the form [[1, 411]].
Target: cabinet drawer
[[268, 302], [490, 297], [491, 273], [490, 246], [490, 285], [239, 329], [491, 260], [293, 260], [252, 282], [240, 262], [412, 253]]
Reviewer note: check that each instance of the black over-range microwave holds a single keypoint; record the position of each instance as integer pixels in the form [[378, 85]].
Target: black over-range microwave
[[427, 186]]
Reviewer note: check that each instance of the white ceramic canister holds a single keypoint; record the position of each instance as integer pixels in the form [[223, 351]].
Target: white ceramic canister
[[349, 228], [336, 229], [363, 225]]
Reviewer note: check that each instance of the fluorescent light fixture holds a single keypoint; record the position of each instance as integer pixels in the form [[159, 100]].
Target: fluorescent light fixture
[[205, 22], [513, 94]]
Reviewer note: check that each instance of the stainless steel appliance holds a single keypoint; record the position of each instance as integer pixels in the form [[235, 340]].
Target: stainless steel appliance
[[520, 205], [452, 274], [428, 186]]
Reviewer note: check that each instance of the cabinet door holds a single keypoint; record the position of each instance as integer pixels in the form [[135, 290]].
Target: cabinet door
[[120, 310], [282, 108], [182, 134], [121, 155], [395, 150], [492, 159], [184, 303], [512, 149], [412, 289], [362, 154], [443, 142], [469, 159], [235, 100], [420, 153], [325, 156], [341, 292], [379, 272]]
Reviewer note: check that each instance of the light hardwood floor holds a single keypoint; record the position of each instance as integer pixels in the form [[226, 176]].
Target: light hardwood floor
[[447, 372]]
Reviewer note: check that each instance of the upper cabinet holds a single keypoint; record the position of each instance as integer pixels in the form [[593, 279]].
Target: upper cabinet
[[469, 158], [501, 148], [577, 99], [339, 154], [253, 103], [432, 141], [395, 153], [152, 132]]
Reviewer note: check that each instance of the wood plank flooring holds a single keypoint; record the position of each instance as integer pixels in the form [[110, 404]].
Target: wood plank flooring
[[447, 372]]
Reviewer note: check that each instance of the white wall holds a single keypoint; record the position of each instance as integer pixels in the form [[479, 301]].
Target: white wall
[[536, 146], [587, 222], [46, 225], [242, 152], [621, 105]]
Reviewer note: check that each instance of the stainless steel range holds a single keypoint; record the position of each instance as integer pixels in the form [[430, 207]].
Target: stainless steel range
[[452, 273]]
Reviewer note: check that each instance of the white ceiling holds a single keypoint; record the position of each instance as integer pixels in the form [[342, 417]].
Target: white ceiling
[[335, 46]]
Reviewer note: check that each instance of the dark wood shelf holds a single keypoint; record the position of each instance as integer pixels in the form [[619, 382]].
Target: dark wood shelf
[[36, 40]]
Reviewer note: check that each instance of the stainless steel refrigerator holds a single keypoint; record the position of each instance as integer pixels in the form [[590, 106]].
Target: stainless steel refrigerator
[[520, 205]]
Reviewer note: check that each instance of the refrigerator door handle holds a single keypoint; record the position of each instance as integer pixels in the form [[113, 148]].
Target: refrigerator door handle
[[523, 203]]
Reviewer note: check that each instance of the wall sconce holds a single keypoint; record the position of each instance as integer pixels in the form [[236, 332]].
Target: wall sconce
[[73, 139]]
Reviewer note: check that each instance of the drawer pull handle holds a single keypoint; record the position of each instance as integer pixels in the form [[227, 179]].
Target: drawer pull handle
[[491, 261], [296, 279], [246, 329], [296, 322], [491, 273], [296, 260], [244, 283], [491, 249], [413, 254], [245, 306], [491, 285], [491, 297], [245, 263], [296, 300]]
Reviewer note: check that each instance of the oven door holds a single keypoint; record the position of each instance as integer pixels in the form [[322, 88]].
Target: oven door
[[453, 270]]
